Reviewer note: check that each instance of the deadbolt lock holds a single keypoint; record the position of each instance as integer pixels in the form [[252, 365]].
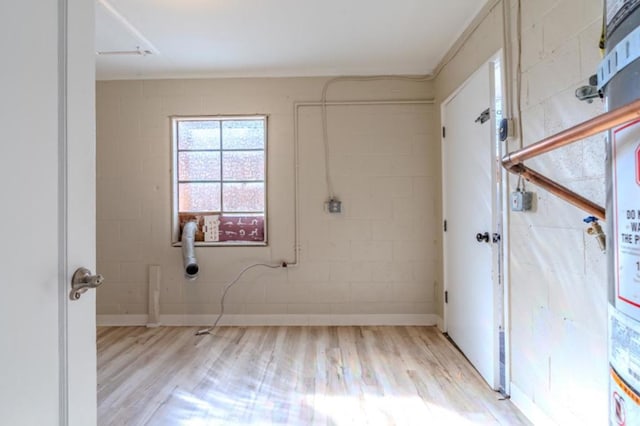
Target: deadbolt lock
[[482, 237]]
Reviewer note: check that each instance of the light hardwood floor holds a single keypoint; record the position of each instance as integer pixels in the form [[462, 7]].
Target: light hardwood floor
[[291, 376]]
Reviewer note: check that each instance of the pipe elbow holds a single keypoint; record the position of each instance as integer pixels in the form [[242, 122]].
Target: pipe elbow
[[513, 165], [507, 162]]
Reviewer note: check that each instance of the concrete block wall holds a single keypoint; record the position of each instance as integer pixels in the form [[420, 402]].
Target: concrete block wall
[[557, 272], [381, 256]]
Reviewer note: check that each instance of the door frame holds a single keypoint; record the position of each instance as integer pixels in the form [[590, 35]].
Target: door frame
[[63, 212], [499, 219]]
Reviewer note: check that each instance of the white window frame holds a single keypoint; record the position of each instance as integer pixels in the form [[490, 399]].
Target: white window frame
[[175, 220]]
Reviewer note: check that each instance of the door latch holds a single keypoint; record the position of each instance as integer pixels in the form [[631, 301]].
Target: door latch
[[82, 281]]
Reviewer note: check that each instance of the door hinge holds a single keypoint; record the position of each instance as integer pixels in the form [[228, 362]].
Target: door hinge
[[445, 226], [446, 297], [484, 116], [444, 132]]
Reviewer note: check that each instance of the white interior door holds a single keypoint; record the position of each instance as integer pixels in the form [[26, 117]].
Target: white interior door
[[468, 158], [47, 342], [81, 210]]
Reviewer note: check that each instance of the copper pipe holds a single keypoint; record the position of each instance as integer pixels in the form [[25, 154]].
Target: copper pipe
[[513, 161], [559, 190], [583, 130]]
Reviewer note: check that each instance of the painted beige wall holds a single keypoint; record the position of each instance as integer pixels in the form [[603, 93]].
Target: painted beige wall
[[557, 272], [380, 256], [369, 260]]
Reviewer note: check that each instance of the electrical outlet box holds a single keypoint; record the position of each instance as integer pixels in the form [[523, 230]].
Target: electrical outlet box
[[521, 201], [334, 206]]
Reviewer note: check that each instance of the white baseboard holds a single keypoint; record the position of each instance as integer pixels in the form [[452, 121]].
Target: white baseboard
[[257, 320], [121, 320], [529, 408], [440, 324]]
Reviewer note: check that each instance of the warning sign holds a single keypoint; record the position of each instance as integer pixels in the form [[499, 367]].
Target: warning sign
[[622, 401], [624, 363], [626, 206]]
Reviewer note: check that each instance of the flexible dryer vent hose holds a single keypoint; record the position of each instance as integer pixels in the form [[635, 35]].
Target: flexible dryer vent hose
[[188, 250]]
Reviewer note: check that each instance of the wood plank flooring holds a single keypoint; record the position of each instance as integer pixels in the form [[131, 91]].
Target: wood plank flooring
[[338, 376]]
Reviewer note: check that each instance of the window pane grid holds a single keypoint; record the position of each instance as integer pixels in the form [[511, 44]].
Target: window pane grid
[[221, 181], [222, 150], [234, 136]]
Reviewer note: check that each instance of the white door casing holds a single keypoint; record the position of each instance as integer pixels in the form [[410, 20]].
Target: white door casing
[[47, 173], [468, 151]]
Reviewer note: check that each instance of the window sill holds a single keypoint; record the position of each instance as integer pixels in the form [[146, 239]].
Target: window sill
[[224, 244]]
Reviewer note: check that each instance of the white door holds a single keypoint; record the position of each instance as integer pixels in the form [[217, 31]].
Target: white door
[[468, 158], [81, 213], [47, 172]]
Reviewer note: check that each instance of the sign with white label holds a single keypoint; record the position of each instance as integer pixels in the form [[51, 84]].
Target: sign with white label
[[624, 363], [626, 216]]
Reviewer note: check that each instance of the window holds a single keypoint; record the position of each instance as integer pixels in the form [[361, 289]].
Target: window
[[219, 179]]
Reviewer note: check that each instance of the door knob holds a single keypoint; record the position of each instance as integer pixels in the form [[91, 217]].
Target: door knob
[[82, 281], [482, 237]]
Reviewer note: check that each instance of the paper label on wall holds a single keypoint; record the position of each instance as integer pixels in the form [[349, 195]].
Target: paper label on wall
[[624, 362], [626, 213], [211, 228]]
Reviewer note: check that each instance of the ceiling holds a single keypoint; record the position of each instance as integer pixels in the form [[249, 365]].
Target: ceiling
[[275, 38]]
